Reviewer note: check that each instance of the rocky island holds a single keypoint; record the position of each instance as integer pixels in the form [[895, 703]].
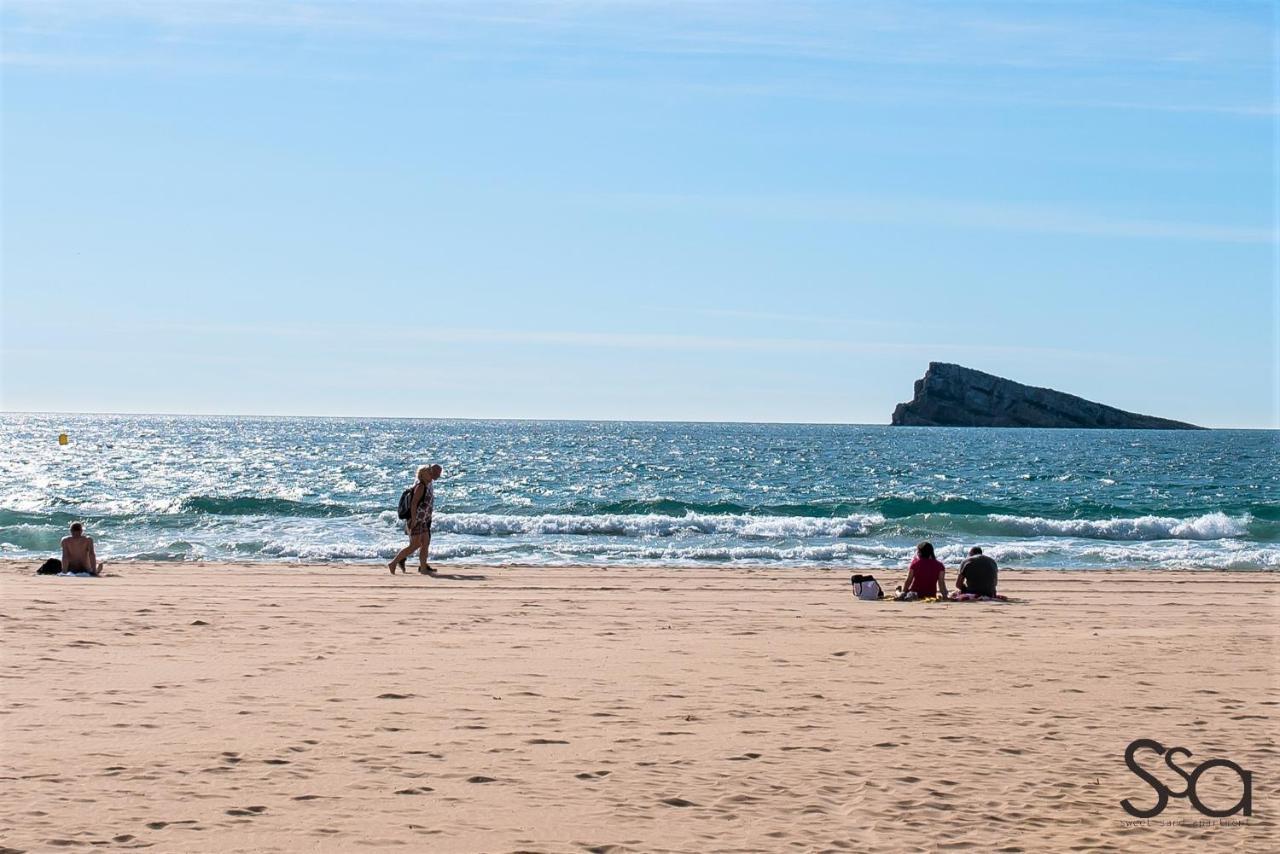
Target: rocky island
[[954, 396]]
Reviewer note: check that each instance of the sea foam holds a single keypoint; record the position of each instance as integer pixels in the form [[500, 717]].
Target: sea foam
[[1209, 526]]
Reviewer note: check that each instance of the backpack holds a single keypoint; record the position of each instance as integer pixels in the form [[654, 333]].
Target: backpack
[[405, 508], [866, 587], [52, 566]]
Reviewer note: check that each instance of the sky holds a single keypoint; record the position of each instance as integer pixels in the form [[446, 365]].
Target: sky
[[701, 210]]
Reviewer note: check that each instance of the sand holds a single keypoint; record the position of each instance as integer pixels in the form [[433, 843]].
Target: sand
[[285, 708]]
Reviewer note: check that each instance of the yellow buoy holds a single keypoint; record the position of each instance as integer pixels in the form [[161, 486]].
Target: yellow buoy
[[62, 439]]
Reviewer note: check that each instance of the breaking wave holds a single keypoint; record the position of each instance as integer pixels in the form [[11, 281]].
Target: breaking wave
[[655, 525], [1210, 526], [251, 506]]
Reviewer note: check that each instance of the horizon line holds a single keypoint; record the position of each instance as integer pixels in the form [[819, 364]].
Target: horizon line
[[534, 420]]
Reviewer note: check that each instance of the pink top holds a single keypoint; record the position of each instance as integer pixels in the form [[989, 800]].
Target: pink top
[[926, 572]]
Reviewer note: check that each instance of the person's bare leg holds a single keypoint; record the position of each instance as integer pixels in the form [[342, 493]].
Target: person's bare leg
[[403, 554], [423, 566]]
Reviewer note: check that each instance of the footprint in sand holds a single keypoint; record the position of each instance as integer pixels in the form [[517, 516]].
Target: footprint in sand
[[390, 696], [247, 811], [677, 802]]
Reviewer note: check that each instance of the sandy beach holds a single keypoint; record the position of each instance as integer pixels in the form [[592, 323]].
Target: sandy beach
[[288, 708]]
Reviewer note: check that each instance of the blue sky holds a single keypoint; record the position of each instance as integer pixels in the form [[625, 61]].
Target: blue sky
[[635, 209]]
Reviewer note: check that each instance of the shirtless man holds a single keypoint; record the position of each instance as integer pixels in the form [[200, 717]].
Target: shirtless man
[[77, 552]]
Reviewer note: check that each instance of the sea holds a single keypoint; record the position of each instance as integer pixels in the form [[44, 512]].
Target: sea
[[319, 490]]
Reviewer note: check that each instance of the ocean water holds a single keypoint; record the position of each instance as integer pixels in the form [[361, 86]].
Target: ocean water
[[325, 489]]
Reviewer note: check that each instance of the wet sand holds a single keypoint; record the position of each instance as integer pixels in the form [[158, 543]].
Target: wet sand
[[284, 708]]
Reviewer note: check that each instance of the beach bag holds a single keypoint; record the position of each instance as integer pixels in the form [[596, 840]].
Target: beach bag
[[866, 587], [52, 566], [405, 508]]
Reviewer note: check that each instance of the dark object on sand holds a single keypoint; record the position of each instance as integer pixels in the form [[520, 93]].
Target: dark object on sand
[[866, 587], [52, 566], [955, 396]]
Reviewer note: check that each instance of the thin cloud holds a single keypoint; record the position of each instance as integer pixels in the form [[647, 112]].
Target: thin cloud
[[648, 341], [789, 50], [960, 214], [921, 33], [815, 319]]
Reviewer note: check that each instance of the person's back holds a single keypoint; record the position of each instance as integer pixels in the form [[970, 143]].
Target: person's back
[[978, 574], [925, 573], [78, 554], [925, 576]]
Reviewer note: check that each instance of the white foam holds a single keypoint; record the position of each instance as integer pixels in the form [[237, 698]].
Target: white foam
[[1210, 526], [655, 525]]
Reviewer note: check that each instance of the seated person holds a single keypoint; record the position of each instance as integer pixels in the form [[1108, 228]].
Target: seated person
[[925, 577], [77, 552], [977, 574]]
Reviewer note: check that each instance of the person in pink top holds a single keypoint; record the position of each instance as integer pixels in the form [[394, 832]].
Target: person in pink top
[[926, 577]]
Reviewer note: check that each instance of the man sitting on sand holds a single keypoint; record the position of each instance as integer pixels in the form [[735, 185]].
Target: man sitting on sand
[[78, 554], [925, 577], [977, 574]]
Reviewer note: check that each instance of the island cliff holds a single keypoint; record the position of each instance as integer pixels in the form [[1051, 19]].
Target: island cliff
[[955, 396]]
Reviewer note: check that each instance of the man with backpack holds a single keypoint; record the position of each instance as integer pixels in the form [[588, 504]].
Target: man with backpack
[[417, 504]]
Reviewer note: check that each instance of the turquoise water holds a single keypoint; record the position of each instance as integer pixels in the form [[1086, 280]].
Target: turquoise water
[[322, 489]]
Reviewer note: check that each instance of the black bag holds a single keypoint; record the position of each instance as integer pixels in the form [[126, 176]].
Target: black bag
[[52, 566], [405, 508]]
